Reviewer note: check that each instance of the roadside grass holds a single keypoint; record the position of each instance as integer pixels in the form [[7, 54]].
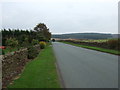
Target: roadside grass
[[95, 48], [39, 73]]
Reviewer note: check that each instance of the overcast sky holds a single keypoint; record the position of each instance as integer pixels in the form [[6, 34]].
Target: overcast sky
[[61, 16]]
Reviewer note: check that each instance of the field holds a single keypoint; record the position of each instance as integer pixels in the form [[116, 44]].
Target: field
[[88, 40], [99, 41]]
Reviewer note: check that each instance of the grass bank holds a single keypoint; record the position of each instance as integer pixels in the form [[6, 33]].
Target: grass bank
[[39, 73], [95, 48]]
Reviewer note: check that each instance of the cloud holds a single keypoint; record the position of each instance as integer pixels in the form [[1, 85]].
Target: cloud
[[0, 15], [59, 1], [62, 16]]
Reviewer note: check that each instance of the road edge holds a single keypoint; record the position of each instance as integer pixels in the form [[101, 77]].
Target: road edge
[[61, 81], [91, 49]]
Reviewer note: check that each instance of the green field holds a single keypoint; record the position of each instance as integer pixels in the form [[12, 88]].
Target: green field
[[39, 73], [95, 48]]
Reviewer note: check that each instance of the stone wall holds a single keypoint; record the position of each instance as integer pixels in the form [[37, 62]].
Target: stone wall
[[13, 64], [0, 72]]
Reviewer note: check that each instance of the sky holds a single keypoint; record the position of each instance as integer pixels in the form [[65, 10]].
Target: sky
[[61, 16]]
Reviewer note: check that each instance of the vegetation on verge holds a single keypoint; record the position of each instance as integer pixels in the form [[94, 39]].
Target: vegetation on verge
[[7, 50], [95, 48], [39, 73], [42, 45], [15, 38], [32, 52], [114, 44]]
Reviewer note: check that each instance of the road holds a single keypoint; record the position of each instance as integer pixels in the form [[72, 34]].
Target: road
[[85, 68]]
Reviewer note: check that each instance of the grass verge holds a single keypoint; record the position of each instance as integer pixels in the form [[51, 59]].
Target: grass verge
[[95, 48], [39, 73]]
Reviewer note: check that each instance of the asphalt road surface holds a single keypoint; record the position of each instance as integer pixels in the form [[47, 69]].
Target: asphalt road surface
[[85, 68]]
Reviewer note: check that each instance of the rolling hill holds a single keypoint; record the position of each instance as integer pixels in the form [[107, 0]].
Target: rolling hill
[[85, 36]]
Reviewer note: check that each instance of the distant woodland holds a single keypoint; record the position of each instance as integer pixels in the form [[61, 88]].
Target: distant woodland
[[86, 36], [25, 37]]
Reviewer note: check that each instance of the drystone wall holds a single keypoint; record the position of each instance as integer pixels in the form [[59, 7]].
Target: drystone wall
[[0, 72], [13, 64]]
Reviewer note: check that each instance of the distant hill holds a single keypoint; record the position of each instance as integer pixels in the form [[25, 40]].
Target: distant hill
[[116, 35], [85, 36]]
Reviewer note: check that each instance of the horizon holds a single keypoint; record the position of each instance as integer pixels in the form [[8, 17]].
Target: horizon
[[65, 32], [84, 32], [61, 33]]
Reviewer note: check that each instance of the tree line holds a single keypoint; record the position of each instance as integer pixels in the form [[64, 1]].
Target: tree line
[[25, 37]]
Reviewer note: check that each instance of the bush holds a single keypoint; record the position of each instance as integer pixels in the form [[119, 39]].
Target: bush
[[114, 43], [3, 53], [25, 42], [118, 44], [32, 52], [12, 42], [34, 42], [42, 45]]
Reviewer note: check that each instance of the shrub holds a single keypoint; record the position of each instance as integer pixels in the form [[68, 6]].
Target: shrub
[[34, 42], [25, 42], [42, 45], [12, 42], [114, 43], [3, 53], [32, 52], [118, 44]]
